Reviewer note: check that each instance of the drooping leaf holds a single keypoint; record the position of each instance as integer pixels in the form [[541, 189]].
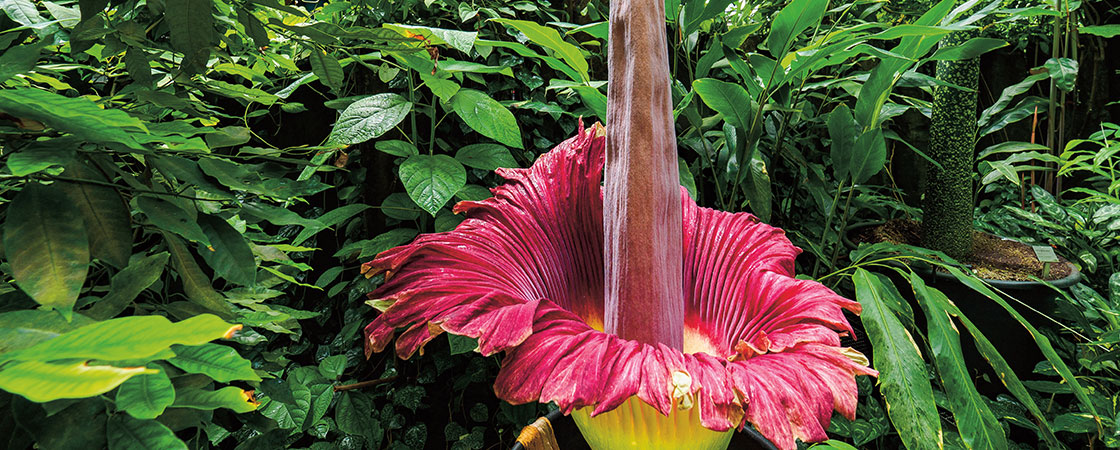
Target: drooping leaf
[[432, 180], [44, 381], [368, 118], [485, 156], [127, 433], [869, 157], [327, 68], [195, 283], [902, 373], [976, 424], [123, 338], [231, 257], [459, 40], [843, 130], [47, 246], [397, 148], [146, 396], [129, 283], [169, 216], [219, 362], [192, 31], [486, 116], [107, 221], [1104, 31]]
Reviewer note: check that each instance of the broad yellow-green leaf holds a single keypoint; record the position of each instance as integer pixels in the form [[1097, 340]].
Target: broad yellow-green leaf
[[126, 433], [902, 373], [106, 217], [730, 100], [77, 115], [24, 328], [125, 338], [47, 246], [146, 396], [976, 424], [486, 116], [216, 361], [195, 283], [549, 38], [485, 156], [229, 397], [129, 283], [43, 381]]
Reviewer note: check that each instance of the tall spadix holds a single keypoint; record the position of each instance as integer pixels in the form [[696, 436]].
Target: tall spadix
[[644, 299]]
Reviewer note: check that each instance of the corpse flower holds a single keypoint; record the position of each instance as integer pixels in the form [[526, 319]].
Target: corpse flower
[[655, 322]]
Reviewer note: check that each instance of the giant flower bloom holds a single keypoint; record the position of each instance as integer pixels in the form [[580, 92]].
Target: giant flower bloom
[[523, 274]]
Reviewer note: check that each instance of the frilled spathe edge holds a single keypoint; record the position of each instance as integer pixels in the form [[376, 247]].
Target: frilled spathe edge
[[523, 275]]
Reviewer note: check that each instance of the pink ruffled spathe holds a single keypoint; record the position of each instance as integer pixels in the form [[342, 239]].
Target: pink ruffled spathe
[[524, 275]]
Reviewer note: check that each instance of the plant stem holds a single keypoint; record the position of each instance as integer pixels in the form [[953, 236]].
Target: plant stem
[[362, 384]]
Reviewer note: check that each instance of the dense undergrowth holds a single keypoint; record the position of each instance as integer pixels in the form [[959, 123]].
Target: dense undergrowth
[[233, 162]]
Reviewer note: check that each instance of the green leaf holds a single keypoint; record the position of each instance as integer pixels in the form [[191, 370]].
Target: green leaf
[[1007, 96], [549, 38], [290, 414], [461, 344], [442, 88], [170, 217], [976, 424], [329, 71], [129, 283], [18, 59], [195, 283], [332, 367], [432, 180], [219, 362], [969, 49], [1063, 71], [229, 397], [43, 381], [353, 413], [396, 148], [902, 373], [76, 115], [104, 212], [485, 156], [133, 337], [1039, 339], [870, 157], [24, 328], [46, 245], [843, 130], [486, 116], [400, 206], [231, 258], [126, 433], [794, 18], [368, 118], [146, 396], [459, 40], [731, 101], [191, 23], [330, 219], [1003, 371], [38, 158], [1105, 31]]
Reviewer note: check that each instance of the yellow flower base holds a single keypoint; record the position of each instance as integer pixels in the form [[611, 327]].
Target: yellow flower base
[[636, 425]]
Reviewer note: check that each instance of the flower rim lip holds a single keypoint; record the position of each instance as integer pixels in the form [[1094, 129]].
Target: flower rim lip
[[523, 275]]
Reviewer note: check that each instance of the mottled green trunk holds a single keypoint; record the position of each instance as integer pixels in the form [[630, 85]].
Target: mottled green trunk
[[947, 222]]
